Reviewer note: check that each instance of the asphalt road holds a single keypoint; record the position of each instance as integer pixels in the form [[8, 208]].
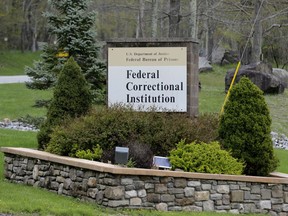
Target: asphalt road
[[14, 79]]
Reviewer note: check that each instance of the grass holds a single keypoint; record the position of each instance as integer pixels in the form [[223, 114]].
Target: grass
[[13, 62], [17, 101]]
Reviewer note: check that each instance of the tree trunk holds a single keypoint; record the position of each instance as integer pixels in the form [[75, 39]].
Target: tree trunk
[[174, 18], [154, 18], [140, 22], [257, 34], [193, 19]]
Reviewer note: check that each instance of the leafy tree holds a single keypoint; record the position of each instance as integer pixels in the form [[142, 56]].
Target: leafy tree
[[245, 128], [72, 26], [71, 99]]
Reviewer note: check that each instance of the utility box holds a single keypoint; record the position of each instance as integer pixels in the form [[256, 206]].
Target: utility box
[[121, 155]]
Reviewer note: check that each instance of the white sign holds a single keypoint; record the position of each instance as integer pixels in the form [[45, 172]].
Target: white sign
[[146, 78]]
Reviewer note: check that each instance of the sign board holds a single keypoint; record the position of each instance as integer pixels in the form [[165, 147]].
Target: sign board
[[148, 77]]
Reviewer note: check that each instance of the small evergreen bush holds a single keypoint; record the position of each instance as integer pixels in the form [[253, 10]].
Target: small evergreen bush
[[71, 99], [204, 158], [245, 128], [120, 126]]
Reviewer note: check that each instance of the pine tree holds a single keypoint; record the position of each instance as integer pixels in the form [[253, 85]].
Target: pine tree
[[71, 99], [245, 128], [73, 27]]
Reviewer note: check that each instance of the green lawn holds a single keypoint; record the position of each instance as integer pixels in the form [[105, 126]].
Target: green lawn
[[13, 62]]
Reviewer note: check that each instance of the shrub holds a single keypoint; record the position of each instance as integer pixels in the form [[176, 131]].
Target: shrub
[[140, 154], [245, 128], [119, 126], [71, 99], [204, 158], [95, 154]]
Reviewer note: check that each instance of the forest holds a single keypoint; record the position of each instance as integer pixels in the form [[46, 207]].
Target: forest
[[254, 29]]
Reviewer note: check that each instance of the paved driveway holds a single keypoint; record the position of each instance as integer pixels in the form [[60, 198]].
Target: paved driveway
[[14, 79]]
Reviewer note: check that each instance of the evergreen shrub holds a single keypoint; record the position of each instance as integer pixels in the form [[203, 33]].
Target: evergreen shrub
[[121, 126], [71, 99], [204, 158], [245, 128]]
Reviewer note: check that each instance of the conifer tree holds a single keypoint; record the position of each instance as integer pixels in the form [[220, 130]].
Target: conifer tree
[[73, 27], [71, 99], [245, 128]]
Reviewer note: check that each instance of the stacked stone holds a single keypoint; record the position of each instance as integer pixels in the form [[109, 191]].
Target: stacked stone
[[149, 192], [16, 125]]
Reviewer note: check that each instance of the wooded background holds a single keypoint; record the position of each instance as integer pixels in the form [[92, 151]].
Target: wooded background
[[259, 25]]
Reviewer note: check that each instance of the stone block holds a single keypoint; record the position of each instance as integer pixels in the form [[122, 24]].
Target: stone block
[[277, 201], [286, 197], [249, 208], [185, 201], [277, 191], [237, 196], [115, 193], [160, 188], [135, 201], [175, 190], [92, 182], [130, 194], [255, 189], [35, 172], [202, 195], [153, 198], [67, 183], [285, 207], [265, 204], [223, 189], [167, 198], [149, 186], [194, 183], [189, 192], [142, 193], [192, 208], [180, 183], [208, 205], [92, 192], [206, 186], [161, 207], [266, 194], [139, 185], [126, 181], [118, 203], [216, 196]]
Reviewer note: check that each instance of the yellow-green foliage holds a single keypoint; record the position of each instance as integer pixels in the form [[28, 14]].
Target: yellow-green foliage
[[96, 154], [204, 158]]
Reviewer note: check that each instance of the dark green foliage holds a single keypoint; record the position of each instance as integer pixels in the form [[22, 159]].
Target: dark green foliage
[[72, 25], [140, 154], [204, 158], [71, 99], [245, 128], [120, 126]]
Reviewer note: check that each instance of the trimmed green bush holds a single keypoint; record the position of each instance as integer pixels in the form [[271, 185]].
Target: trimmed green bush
[[120, 126], [204, 158], [71, 99], [245, 128]]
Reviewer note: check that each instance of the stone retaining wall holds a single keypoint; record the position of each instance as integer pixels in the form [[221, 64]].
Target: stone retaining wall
[[119, 187]]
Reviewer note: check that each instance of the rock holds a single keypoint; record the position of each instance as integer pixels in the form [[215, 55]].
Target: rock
[[282, 75], [229, 57], [204, 65], [260, 74]]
